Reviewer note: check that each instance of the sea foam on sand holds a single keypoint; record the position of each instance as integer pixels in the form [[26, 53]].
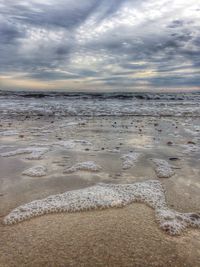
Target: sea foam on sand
[[129, 160], [36, 171], [9, 133], [83, 166], [163, 168], [103, 196], [69, 144], [34, 153]]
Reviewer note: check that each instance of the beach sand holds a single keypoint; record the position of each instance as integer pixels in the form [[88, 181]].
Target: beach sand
[[126, 236], [115, 237]]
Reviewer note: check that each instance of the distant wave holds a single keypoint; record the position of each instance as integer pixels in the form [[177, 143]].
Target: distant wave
[[101, 104], [114, 95]]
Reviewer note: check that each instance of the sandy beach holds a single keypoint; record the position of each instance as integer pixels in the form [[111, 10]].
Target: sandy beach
[[115, 237], [128, 236], [100, 133]]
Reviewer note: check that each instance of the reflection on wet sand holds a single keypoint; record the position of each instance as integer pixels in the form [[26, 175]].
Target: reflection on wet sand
[[104, 141]]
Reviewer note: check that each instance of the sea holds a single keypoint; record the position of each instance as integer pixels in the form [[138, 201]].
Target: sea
[[99, 104]]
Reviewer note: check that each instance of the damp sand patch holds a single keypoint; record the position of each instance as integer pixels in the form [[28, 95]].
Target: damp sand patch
[[162, 168], [102, 196]]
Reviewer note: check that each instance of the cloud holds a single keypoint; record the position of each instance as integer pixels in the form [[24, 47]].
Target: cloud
[[132, 43]]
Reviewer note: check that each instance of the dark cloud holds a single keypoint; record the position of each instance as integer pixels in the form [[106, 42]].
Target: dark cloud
[[176, 23], [175, 81], [67, 14], [9, 33]]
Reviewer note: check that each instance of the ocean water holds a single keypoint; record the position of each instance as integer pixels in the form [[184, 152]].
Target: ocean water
[[101, 104]]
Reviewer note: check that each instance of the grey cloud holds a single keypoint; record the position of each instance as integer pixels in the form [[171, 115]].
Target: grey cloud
[[26, 42], [65, 14], [9, 33], [175, 81], [176, 23]]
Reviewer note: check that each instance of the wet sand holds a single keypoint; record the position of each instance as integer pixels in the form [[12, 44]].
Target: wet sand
[[114, 237]]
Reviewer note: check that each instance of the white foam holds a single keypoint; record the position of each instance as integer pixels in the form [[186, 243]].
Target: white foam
[[83, 166], [5, 146], [72, 123], [190, 148], [174, 222], [68, 106], [196, 127], [9, 133], [65, 144], [35, 153], [41, 144], [69, 144], [192, 132], [129, 160], [103, 196], [83, 142], [163, 168], [36, 171], [113, 150]]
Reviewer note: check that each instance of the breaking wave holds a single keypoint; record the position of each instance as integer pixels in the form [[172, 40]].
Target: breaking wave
[[105, 104]]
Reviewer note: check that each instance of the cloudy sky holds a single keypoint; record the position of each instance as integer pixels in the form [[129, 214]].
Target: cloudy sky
[[97, 45]]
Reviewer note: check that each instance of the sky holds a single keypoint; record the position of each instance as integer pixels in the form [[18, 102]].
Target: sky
[[100, 45]]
